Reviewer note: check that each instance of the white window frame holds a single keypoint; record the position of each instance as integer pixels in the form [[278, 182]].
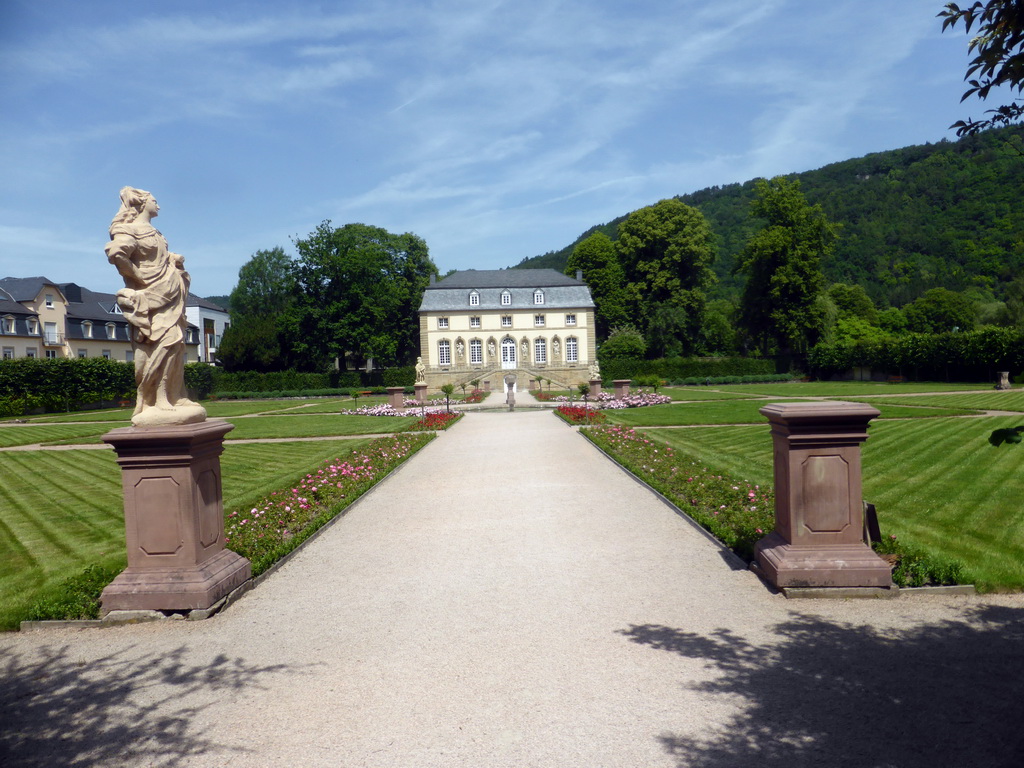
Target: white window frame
[[50, 354], [570, 319], [476, 352], [106, 354], [9, 324], [506, 321], [538, 321], [8, 353], [474, 322], [111, 331], [474, 299], [87, 329], [540, 351], [506, 299], [49, 301], [129, 355], [538, 296], [442, 322], [572, 350], [444, 352], [31, 352], [83, 353]]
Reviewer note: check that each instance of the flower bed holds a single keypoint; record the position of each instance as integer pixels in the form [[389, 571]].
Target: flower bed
[[739, 513], [280, 522], [580, 414], [433, 422], [608, 401]]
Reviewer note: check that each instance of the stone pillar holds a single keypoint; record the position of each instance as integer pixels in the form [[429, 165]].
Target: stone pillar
[[174, 519], [819, 517], [621, 388], [595, 387], [487, 385], [1004, 380], [421, 392], [396, 397]]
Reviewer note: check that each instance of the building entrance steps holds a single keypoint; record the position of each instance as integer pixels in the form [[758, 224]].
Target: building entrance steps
[[509, 597]]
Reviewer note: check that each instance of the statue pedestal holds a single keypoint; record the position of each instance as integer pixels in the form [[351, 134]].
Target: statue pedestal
[[421, 392], [396, 397], [595, 387], [621, 388], [819, 514], [174, 519]]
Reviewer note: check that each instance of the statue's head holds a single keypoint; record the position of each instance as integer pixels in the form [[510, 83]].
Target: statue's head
[[133, 202]]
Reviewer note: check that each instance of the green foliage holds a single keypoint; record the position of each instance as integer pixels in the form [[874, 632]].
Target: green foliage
[[265, 285], [64, 383], [251, 343], [625, 341], [940, 310], [603, 274], [77, 597], [199, 379], [913, 567], [257, 381], [400, 376], [358, 289], [674, 369], [666, 251], [998, 49], [852, 301], [783, 266], [971, 356]]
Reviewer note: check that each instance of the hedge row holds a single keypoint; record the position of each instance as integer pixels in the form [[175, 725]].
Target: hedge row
[[967, 356], [328, 392], [65, 384], [253, 381], [686, 367]]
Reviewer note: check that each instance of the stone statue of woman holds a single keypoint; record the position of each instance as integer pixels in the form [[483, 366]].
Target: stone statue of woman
[[153, 302], [421, 371]]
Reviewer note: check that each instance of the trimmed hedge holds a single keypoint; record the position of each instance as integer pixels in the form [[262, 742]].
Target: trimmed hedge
[[672, 368], [68, 383], [961, 356]]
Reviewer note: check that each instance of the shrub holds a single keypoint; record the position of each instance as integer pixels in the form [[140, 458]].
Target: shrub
[[77, 597]]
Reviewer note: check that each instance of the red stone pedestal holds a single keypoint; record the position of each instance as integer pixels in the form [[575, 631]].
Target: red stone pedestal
[[396, 397], [621, 388], [595, 387], [174, 519], [421, 393], [819, 515]]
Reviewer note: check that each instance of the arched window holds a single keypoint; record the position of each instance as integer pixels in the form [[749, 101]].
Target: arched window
[[87, 329], [538, 296], [444, 352], [540, 351], [474, 299], [572, 350], [506, 298]]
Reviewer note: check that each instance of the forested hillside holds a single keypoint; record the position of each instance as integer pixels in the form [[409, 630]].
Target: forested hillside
[[947, 215]]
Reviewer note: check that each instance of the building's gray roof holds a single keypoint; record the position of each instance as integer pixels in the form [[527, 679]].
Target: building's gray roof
[[198, 301], [452, 293], [24, 288]]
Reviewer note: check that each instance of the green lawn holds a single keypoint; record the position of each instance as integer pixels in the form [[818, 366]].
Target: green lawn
[[844, 388], [62, 510], [52, 433], [990, 401], [936, 483], [740, 412], [701, 393]]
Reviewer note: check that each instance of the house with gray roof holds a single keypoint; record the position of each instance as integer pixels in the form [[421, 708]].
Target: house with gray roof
[[533, 324], [42, 318]]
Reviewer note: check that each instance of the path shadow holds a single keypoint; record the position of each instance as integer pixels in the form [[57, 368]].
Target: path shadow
[[128, 707], [826, 693]]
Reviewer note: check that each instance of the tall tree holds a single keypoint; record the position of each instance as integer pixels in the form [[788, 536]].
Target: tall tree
[[940, 310], [782, 263], [265, 285], [595, 257], [358, 289], [666, 250], [998, 48]]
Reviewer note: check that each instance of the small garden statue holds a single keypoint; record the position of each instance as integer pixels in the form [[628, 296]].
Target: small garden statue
[[421, 371], [595, 370], [153, 302]]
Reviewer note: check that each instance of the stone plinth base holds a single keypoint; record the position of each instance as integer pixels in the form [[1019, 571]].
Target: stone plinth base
[[487, 385], [837, 565], [396, 397], [421, 391], [621, 388], [177, 589], [595, 387], [174, 519]]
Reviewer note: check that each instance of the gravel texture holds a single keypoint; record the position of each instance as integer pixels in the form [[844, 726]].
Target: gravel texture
[[510, 597]]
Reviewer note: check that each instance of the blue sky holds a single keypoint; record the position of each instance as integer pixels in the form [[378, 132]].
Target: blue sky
[[494, 130]]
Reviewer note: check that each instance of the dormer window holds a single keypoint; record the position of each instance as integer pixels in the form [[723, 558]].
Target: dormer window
[[116, 309], [33, 326], [87, 329], [474, 299], [111, 331], [506, 298], [8, 324], [538, 296]]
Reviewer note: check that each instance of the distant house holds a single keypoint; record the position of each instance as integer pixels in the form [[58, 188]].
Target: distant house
[[486, 324], [211, 320], [42, 318]]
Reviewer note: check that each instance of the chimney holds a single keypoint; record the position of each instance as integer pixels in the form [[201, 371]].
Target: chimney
[[579, 275]]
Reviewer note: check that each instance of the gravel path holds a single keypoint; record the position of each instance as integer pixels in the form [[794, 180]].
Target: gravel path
[[511, 598]]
